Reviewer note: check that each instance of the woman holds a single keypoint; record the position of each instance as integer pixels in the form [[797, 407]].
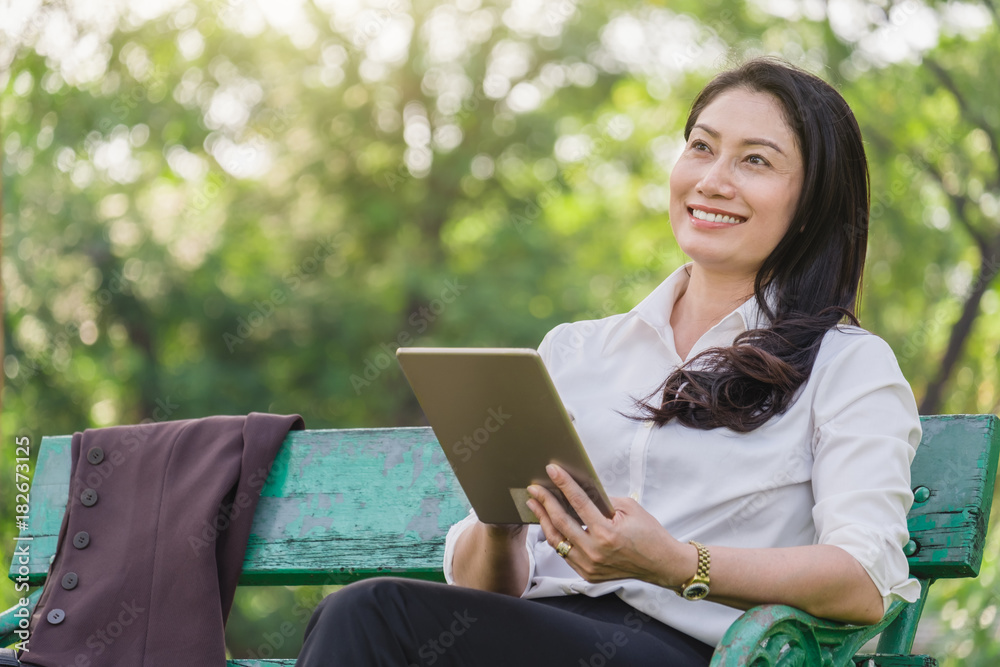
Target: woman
[[771, 465]]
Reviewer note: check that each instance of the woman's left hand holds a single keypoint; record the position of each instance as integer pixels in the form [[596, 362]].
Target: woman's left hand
[[632, 545]]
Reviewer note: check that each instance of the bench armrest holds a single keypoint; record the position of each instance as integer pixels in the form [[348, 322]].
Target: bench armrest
[[765, 634]]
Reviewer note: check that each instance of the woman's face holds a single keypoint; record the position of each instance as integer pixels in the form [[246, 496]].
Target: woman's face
[[735, 186]]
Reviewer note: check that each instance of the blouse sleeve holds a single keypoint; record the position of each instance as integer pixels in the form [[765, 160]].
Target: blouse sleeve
[[449, 544], [867, 432]]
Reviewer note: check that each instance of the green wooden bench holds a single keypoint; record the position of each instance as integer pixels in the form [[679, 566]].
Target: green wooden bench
[[344, 505]]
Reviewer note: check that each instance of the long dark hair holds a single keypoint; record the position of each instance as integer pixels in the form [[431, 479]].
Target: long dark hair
[[812, 278]]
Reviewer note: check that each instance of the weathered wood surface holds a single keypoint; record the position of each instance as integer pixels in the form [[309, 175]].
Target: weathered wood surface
[[957, 463], [338, 505]]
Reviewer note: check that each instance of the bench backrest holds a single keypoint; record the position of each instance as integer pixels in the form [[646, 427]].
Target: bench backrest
[[342, 505], [338, 505]]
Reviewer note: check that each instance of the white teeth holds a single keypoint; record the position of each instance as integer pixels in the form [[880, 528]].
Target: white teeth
[[712, 217]]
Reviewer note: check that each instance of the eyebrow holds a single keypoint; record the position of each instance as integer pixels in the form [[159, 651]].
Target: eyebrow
[[751, 141]]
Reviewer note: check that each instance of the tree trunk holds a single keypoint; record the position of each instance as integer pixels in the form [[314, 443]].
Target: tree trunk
[[988, 270]]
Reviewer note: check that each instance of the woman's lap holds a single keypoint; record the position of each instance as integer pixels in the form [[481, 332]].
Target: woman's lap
[[389, 622]]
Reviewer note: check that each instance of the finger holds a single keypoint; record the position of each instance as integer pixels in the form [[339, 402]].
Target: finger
[[575, 495], [563, 525], [552, 535]]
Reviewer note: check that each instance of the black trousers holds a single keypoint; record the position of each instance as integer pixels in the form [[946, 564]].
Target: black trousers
[[391, 622]]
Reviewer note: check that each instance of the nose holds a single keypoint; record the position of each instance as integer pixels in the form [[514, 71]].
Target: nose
[[717, 180]]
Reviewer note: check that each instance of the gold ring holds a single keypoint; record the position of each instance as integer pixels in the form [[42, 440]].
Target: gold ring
[[563, 548]]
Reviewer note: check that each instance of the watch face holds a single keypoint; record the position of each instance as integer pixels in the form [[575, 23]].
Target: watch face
[[696, 591]]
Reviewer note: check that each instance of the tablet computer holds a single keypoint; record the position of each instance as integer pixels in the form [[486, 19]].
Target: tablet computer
[[499, 420]]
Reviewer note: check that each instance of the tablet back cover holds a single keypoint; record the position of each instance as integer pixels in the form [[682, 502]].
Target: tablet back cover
[[500, 421]]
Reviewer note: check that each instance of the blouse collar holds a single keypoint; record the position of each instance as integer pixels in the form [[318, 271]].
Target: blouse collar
[[655, 311]]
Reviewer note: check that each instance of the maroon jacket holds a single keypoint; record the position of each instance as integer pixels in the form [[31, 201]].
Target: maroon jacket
[[152, 542]]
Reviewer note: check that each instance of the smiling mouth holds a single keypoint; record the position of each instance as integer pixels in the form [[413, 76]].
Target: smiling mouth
[[715, 217]]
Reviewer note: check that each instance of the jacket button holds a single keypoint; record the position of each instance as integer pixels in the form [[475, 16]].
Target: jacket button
[[95, 455], [56, 616], [88, 497], [70, 580], [81, 539]]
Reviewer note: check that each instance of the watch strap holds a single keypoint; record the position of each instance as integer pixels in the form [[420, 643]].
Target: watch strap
[[697, 586]]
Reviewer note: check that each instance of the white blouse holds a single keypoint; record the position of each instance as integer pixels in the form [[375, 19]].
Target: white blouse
[[833, 469]]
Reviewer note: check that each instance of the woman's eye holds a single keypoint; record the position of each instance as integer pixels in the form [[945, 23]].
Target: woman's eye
[[756, 159], [699, 145]]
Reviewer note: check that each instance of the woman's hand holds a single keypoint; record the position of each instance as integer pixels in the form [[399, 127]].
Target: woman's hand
[[632, 545]]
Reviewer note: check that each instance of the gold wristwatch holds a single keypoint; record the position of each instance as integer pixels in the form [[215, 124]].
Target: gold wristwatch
[[696, 587]]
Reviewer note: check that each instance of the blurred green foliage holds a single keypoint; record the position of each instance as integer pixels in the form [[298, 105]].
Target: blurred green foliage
[[216, 207]]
